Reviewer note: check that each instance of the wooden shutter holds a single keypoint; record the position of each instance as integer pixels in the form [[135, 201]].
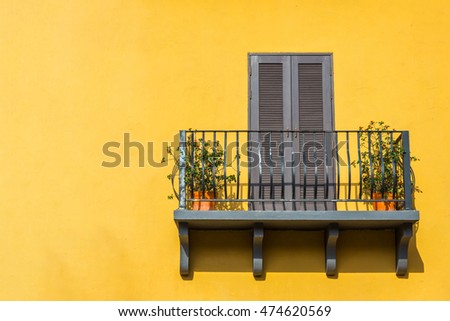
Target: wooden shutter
[[270, 111], [271, 118], [312, 112], [290, 92]]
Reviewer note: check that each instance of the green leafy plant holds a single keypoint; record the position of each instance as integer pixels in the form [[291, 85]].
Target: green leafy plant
[[204, 166], [381, 161]]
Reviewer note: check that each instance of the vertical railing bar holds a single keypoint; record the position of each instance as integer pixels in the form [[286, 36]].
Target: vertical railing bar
[[182, 165], [383, 187], [326, 164], [293, 169], [271, 165], [348, 165], [315, 170], [394, 171], [338, 167], [260, 169], [369, 146], [360, 165], [192, 163], [282, 165], [203, 164], [325, 143], [238, 169], [214, 160], [225, 147], [249, 145], [304, 169], [407, 171]]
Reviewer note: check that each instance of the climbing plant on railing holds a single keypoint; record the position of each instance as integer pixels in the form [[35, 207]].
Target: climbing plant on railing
[[380, 162], [204, 166]]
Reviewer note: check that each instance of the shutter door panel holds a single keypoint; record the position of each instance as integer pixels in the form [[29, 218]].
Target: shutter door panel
[[271, 98], [310, 106], [271, 118], [310, 103], [291, 92]]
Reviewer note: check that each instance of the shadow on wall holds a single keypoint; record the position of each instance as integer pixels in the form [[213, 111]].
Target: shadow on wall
[[368, 251]]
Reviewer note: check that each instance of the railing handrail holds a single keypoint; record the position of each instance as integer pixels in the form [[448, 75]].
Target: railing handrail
[[286, 131]]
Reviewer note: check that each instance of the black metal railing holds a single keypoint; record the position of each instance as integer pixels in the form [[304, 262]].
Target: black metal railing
[[294, 170]]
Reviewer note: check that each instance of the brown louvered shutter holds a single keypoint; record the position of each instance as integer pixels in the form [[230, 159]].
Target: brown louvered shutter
[[271, 119], [311, 172], [290, 92], [269, 109]]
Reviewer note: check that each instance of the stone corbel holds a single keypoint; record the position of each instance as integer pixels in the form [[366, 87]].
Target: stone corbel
[[331, 237], [183, 233], [258, 237], [402, 236]]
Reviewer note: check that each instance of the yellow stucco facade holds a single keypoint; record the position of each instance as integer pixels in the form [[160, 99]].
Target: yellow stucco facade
[[78, 74]]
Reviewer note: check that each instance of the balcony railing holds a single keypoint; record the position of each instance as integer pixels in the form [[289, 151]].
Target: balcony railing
[[296, 170], [322, 180]]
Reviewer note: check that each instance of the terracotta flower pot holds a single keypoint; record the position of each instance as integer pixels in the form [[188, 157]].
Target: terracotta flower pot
[[383, 206], [199, 205]]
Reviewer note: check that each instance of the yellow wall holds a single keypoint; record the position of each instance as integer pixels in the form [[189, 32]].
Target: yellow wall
[[77, 74]]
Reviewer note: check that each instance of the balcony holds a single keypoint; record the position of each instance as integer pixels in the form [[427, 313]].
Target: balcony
[[295, 180]]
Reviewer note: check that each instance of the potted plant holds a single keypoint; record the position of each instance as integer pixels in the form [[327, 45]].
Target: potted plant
[[381, 165], [204, 171]]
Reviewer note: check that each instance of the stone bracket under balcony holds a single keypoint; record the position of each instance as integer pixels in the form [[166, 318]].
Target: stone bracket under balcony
[[329, 221]]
